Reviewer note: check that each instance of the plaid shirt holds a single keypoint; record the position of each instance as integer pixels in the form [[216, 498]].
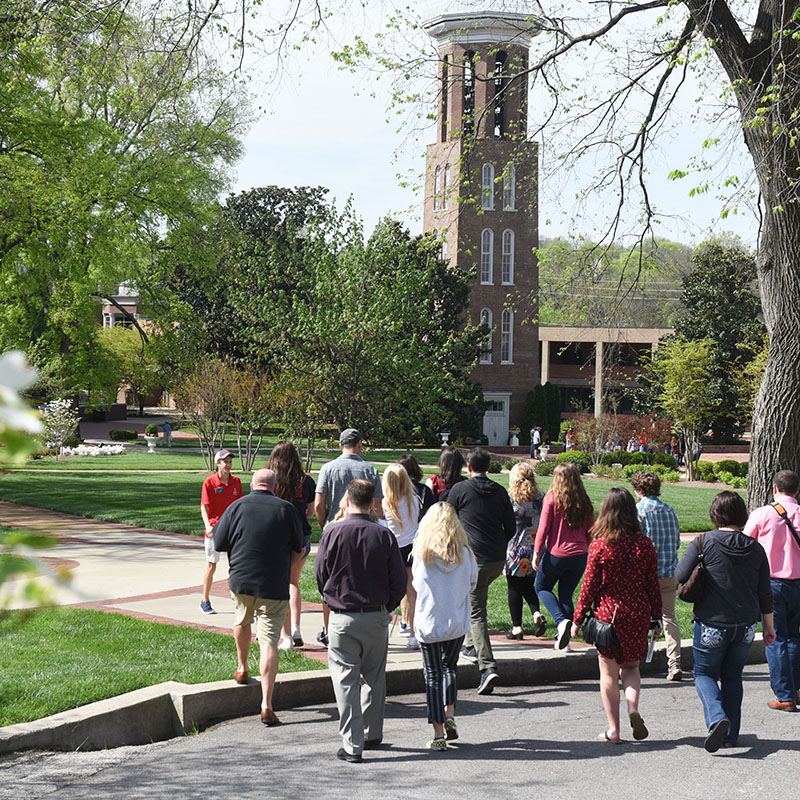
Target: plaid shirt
[[660, 524]]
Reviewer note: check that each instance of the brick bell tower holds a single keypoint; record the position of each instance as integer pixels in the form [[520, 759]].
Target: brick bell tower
[[481, 196]]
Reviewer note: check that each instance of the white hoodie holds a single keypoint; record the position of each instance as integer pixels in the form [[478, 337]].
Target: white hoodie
[[442, 611]]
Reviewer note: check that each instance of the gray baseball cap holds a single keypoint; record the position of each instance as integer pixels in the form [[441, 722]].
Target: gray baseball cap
[[349, 436]]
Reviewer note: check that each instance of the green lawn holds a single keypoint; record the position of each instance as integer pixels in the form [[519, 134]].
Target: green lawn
[[58, 659]]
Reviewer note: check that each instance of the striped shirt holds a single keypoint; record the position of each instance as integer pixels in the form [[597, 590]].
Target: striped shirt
[[660, 524]]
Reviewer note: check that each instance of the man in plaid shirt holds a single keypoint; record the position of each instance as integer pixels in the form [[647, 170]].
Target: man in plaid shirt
[[660, 524]]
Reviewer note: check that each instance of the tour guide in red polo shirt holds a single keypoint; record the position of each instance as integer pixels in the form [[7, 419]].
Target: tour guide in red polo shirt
[[219, 491]]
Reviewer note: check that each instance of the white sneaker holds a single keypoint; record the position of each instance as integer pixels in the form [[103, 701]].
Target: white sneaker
[[412, 643], [285, 643], [562, 637]]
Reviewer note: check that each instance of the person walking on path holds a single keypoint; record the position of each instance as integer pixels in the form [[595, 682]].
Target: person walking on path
[[299, 489], [263, 538], [737, 592], [660, 525], [621, 584], [526, 500], [484, 509], [414, 471], [445, 572], [332, 482], [562, 542], [218, 492], [401, 510], [451, 462], [361, 577], [777, 528]]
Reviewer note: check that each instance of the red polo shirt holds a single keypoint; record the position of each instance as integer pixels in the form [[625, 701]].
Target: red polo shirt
[[218, 496]]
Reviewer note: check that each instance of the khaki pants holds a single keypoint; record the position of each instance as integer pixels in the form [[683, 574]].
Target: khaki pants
[[478, 636], [672, 633]]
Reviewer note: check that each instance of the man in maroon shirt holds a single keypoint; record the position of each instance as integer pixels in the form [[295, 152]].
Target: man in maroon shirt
[[219, 491]]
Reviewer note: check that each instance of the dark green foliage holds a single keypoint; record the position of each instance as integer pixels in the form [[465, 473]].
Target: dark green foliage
[[726, 465], [663, 458], [545, 467], [151, 430], [576, 457], [121, 435], [705, 470], [553, 395], [495, 467], [535, 412]]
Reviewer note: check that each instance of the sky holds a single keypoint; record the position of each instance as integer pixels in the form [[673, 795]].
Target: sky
[[327, 127]]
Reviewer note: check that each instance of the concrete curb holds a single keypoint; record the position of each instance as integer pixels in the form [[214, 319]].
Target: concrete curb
[[173, 709]]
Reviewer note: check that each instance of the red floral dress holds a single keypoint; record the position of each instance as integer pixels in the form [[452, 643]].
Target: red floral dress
[[639, 601]]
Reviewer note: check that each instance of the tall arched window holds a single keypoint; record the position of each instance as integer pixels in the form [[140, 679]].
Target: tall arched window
[[507, 337], [509, 188], [487, 187], [469, 92], [446, 187], [507, 267], [486, 347], [500, 82], [487, 255], [444, 245], [437, 188]]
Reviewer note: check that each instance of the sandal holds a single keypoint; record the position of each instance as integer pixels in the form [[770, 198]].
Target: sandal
[[604, 737], [638, 726]]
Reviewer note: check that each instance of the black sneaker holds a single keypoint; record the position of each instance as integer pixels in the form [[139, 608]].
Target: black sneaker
[[322, 638], [488, 678], [352, 758], [716, 734], [470, 654], [539, 627]]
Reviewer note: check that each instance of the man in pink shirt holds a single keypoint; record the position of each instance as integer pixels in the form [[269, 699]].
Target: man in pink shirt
[[777, 529]]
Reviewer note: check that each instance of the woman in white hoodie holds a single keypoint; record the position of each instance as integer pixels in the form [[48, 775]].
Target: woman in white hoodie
[[444, 572]]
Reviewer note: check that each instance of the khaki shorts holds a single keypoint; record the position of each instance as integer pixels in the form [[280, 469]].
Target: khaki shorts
[[212, 555], [271, 614]]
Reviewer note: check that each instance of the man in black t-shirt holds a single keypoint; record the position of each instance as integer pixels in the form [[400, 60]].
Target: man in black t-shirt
[[263, 537]]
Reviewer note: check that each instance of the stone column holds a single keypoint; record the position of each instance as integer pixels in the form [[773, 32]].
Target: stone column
[[545, 365]]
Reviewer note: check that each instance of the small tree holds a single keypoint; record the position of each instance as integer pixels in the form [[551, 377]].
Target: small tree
[[683, 369], [251, 407], [205, 400], [553, 394], [60, 421], [534, 412]]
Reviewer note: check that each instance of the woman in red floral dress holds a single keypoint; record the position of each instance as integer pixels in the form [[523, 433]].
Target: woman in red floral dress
[[622, 571]]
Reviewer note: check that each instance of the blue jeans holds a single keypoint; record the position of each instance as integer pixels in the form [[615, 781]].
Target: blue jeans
[[719, 658], [567, 573], [783, 656]]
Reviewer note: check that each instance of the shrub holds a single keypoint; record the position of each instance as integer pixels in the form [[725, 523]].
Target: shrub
[[744, 468], [726, 465], [735, 481], [607, 471], [511, 463], [545, 467], [637, 458], [665, 459], [495, 466], [151, 430], [705, 471], [60, 421], [122, 435], [576, 457], [617, 457], [670, 476]]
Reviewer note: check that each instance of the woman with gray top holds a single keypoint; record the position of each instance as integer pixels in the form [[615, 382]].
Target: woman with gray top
[[737, 593], [444, 573]]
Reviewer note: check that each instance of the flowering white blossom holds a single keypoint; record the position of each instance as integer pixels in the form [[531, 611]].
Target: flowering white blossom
[[15, 414], [94, 450], [60, 422]]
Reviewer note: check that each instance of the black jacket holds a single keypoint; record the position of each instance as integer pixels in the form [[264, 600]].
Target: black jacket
[[737, 579], [484, 509]]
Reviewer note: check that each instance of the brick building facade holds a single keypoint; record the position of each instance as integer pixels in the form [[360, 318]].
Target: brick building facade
[[481, 196]]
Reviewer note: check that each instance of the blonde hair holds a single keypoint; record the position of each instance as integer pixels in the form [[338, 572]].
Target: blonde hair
[[440, 534], [397, 488], [570, 495], [522, 483]]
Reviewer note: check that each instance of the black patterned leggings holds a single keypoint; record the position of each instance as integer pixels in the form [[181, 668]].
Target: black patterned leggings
[[439, 661], [520, 589]]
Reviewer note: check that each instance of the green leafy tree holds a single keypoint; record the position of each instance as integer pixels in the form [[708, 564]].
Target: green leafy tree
[[131, 362], [111, 132], [683, 369], [553, 394], [719, 302], [534, 412]]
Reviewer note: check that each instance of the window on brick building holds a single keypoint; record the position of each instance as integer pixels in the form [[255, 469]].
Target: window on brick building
[[469, 92], [486, 347], [500, 81], [445, 92], [507, 337], [509, 188], [487, 187], [487, 255], [437, 188], [507, 267], [446, 187]]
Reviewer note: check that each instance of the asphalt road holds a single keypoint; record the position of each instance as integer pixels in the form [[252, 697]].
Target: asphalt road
[[520, 742]]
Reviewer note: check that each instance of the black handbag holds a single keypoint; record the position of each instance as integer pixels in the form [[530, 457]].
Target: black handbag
[[602, 634], [693, 589]]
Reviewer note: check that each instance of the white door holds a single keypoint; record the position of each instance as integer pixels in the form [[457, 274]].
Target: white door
[[495, 419]]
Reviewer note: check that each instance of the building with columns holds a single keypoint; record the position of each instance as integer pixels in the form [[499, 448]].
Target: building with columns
[[481, 196]]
